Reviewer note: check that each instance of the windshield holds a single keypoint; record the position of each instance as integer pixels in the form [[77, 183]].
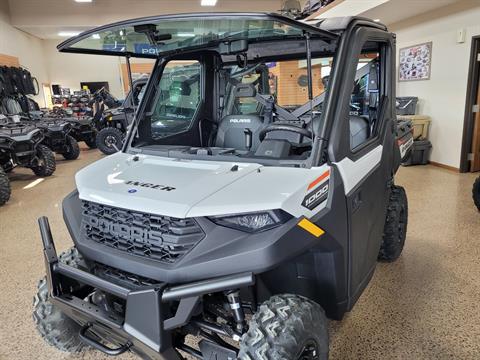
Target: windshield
[[152, 37], [237, 107]]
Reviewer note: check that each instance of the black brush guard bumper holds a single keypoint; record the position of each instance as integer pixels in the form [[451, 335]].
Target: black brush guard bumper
[[144, 329]]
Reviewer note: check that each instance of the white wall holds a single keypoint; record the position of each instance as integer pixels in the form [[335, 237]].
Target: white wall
[[443, 96], [69, 70], [28, 49]]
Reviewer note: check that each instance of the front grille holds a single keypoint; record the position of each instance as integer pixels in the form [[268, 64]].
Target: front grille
[[57, 136], [122, 277], [161, 238], [23, 147]]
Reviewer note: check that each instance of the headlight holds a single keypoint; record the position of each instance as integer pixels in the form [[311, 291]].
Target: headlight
[[253, 222]]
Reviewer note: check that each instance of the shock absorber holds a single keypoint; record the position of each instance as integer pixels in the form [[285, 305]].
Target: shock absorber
[[235, 304]]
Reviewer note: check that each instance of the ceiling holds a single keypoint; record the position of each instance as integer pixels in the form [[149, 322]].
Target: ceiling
[[395, 11], [46, 18]]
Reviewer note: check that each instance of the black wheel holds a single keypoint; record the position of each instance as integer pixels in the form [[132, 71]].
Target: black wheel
[[109, 140], [91, 142], [476, 193], [73, 150], [46, 161], [5, 190], [286, 327], [395, 230], [55, 328]]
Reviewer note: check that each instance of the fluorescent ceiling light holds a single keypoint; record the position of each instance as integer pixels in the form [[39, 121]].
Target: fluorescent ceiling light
[[83, 1], [68, 33], [209, 2], [186, 35]]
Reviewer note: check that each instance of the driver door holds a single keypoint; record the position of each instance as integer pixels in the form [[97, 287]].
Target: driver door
[[363, 150]]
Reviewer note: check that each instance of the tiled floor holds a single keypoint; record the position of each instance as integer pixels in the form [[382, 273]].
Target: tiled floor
[[424, 306]]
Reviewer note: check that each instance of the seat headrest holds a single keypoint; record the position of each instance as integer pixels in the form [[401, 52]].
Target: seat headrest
[[244, 91]]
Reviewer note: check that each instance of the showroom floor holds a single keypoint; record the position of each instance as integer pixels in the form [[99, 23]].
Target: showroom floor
[[424, 306]]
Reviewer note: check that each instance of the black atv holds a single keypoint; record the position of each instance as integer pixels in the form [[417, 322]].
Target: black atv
[[476, 193], [113, 124], [21, 144], [58, 138], [241, 212], [82, 128]]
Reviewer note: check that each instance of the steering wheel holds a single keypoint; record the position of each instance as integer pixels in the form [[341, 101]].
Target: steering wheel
[[284, 127]]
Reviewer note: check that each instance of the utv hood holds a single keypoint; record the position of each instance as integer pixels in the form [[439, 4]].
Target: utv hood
[[156, 185], [185, 188]]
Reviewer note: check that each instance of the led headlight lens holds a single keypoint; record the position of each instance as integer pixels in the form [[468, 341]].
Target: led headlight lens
[[253, 222]]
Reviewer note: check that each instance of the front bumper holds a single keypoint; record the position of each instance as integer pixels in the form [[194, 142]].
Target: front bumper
[[145, 328]]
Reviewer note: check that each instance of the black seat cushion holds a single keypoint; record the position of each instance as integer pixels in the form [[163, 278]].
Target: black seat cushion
[[359, 131], [231, 131]]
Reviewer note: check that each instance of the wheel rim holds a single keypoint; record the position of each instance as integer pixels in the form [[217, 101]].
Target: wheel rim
[[309, 351], [41, 161], [110, 140]]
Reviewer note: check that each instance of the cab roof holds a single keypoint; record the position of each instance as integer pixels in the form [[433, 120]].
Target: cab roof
[[151, 37]]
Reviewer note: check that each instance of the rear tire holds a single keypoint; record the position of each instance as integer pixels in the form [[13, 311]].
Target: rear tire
[[73, 150], [395, 230], [107, 138], [476, 193], [55, 327], [91, 142], [286, 327], [5, 189], [46, 159]]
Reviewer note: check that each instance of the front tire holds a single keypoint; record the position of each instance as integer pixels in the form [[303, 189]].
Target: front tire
[[55, 327], [286, 327], [91, 142], [73, 150], [108, 139], [476, 193], [5, 189], [395, 230], [46, 161]]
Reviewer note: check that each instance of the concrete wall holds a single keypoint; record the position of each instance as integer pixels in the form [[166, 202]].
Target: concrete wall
[[27, 48], [443, 96]]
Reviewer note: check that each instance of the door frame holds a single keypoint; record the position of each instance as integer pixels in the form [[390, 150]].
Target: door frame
[[473, 85]]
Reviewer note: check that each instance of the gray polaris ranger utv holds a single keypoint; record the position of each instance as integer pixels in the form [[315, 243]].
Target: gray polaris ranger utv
[[113, 124], [249, 202]]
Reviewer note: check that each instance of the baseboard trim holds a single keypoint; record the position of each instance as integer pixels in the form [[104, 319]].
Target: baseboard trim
[[443, 166]]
